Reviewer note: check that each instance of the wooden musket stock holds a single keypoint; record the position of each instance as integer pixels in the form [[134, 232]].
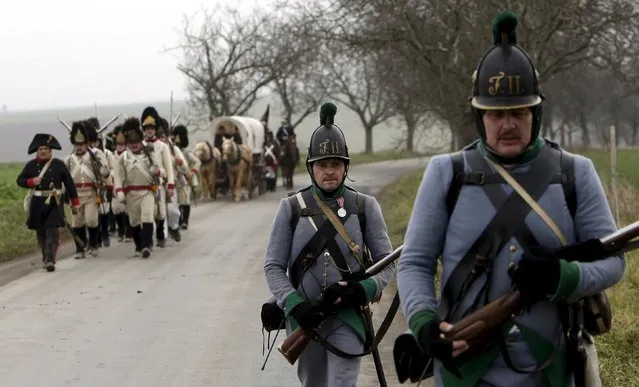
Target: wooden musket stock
[[476, 328], [293, 346]]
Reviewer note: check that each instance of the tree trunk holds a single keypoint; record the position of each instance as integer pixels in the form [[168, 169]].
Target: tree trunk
[[569, 137], [585, 133], [368, 130], [411, 126]]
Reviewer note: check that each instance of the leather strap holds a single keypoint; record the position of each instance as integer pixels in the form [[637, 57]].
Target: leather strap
[[508, 219], [526, 239], [324, 238], [531, 202], [354, 247]]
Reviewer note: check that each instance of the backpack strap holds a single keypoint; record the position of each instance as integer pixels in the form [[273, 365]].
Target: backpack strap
[[568, 181], [361, 213], [295, 211], [456, 183]]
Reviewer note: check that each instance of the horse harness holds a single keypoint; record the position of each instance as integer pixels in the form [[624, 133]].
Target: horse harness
[[238, 156]]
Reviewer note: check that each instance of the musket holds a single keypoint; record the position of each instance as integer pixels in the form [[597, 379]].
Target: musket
[[112, 120], [56, 197], [293, 346], [477, 328], [155, 182], [64, 124], [175, 119]]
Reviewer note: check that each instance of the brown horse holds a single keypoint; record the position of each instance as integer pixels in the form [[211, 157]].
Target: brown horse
[[239, 166], [288, 160], [210, 158]]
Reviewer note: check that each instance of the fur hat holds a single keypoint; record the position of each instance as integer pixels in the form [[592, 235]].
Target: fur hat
[[119, 138], [163, 127], [43, 139], [180, 136], [132, 131], [79, 133], [150, 117]]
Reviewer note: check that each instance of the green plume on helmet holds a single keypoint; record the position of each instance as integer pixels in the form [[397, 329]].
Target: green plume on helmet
[[505, 28], [327, 114]]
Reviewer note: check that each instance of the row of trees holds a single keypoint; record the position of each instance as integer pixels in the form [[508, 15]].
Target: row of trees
[[412, 60]]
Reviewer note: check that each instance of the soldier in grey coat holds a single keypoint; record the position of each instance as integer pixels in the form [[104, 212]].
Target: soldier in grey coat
[[532, 350], [322, 290]]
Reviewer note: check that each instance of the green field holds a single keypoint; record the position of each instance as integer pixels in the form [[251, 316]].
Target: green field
[[617, 350]]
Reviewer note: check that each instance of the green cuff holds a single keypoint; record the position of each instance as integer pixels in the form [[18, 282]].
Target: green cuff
[[420, 319], [291, 301], [568, 280], [370, 287]]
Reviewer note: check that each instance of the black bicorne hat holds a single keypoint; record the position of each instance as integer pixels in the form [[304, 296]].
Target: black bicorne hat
[[43, 139]]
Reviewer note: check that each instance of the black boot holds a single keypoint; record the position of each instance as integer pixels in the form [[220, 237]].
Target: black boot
[[175, 234], [159, 233], [41, 234], [120, 220], [136, 233], [185, 210], [80, 248], [147, 239], [128, 229], [94, 237], [51, 245], [112, 222], [104, 230]]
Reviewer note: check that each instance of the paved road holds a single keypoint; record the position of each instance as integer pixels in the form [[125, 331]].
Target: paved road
[[188, 316]]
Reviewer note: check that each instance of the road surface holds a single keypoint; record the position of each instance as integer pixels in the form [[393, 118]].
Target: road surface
[[186, 320]]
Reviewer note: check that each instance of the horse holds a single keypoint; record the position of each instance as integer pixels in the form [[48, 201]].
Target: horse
[[210, 158], [288, 161], [239, 165]]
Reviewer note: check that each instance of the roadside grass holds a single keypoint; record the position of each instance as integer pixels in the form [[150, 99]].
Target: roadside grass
[[617, 351], [360, 158]]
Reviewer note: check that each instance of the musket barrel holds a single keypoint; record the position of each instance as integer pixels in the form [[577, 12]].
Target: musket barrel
[[382, 263], [617, 239]]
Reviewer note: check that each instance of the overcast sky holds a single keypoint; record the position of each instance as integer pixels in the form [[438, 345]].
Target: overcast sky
[[68, 53]]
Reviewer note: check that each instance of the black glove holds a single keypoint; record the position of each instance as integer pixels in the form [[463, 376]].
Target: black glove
[[308, 316], [352, 295], [434, 346], [586, 251], [537, 274]]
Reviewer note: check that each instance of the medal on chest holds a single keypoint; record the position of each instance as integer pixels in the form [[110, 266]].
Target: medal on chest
[[341, 212]]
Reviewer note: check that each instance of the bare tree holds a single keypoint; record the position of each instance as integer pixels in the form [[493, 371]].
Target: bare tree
[[296, 69], [443, 38], [221, 61], [358, 83]]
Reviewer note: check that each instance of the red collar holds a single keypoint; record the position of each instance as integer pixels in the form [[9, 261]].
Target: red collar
[[41, 161]]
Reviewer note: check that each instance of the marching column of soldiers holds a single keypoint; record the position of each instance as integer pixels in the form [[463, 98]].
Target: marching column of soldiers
[[128, 183]]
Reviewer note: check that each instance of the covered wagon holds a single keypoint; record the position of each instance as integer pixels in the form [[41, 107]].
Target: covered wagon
[[251, 131]]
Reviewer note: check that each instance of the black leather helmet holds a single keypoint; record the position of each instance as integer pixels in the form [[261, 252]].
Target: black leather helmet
[[505, 77], [327, 141]]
